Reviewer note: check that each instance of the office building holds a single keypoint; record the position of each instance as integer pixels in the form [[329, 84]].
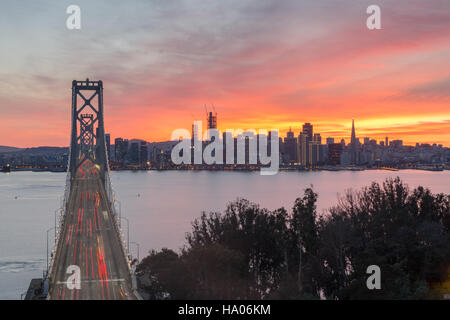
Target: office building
[[290, 147], [134, 152], [334, 153], [120, 149], [308, 131], [366, 140], [143, 153]]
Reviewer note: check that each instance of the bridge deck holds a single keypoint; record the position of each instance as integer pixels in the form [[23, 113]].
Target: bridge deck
[[91, 242]]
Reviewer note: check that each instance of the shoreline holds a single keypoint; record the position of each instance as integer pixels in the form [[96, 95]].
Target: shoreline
[[282, 169]]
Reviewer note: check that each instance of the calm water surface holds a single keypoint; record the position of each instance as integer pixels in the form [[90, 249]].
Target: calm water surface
[[160, 206]]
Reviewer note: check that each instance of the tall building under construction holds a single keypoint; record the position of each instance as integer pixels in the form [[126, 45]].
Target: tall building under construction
[[211, 120]]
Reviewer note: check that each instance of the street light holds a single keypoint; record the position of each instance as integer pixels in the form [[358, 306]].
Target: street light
[[137, 245]]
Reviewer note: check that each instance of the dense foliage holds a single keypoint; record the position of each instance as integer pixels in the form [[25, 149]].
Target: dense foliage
[[248, 252]]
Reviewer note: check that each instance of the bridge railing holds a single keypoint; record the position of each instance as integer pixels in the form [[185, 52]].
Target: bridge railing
[[126, 250], [59, 225], [116, 215]]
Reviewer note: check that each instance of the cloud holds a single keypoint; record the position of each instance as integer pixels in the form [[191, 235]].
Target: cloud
[[261, 62], [437, 90]]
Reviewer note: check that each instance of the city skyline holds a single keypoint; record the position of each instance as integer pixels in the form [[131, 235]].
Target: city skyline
[[307, 150], [262, 64], [282, 134]]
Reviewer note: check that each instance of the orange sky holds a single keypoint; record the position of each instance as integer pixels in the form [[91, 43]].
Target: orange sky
[[264, 65]]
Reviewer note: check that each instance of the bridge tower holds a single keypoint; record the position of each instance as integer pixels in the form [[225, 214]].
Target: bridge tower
[[106, 235], [88, 131]]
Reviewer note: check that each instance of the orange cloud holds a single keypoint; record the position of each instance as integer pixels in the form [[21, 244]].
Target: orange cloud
[[263, 65]]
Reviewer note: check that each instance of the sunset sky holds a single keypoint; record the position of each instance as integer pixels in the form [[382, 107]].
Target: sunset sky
[[264, 64]]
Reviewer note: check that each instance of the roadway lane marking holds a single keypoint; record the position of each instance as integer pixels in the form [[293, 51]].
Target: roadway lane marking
[[93, 281], [87, 274], [81, 221], [92, 264], [81, 250], [71, 234], [75, 254]]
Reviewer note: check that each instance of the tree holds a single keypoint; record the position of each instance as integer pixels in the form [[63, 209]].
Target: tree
[[402, 232], [163, 275], [259, 235], [305, 243], [248, 252]]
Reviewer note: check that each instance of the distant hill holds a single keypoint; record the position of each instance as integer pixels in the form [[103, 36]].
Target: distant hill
[[4, 149], [34, 150], [163, 145], [44, 150]]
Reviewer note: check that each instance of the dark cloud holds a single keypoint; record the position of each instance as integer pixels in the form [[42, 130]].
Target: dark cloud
[[431, 91]]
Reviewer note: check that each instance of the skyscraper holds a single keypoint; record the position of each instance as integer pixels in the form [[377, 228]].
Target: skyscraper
[[143, 152], [353, 138], [310, 150], [303, 147], [334, 153], [212, 120], [317, 138], [353, 145], [366, 140], [134, 152], [308, 131], [120, 148], [290, 147], [316, 150]]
